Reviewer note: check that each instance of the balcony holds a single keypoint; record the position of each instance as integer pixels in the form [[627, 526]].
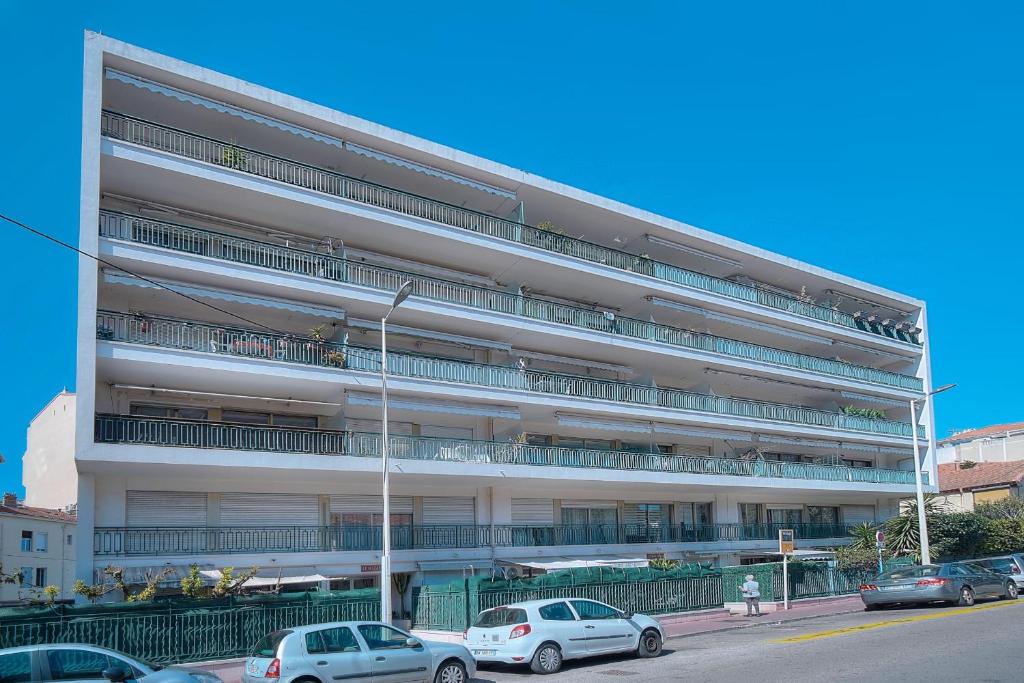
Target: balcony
[[227, 155], [135, 541], [136, 430], [237, 249], [217, 339]]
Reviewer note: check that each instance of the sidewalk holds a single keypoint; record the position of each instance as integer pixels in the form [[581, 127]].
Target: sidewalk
[[720, 620]]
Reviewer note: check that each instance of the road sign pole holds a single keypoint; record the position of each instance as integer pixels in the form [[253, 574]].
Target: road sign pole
[[785, 582]]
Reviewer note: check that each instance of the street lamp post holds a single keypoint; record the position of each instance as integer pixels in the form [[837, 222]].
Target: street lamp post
[[385, 556], [922, 519]]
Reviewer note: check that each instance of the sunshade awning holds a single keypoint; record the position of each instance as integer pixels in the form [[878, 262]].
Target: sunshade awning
[[283, 577], [555, 563]]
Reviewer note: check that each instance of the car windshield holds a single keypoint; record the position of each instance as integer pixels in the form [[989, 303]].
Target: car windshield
[[910, 572], [500, 616], [1005, 565], [267, 647]]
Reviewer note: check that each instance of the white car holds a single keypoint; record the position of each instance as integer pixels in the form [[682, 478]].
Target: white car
[[355, 651], [544, 633]]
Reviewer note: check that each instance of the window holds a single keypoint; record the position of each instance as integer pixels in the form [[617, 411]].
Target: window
[[42, 542], [594, 610], [245, 417], [40, 576], [74, 665], [538, 440], [662, 449], [558, 611], [304, 421], [267, 647], [69, 539], [339, 639], [26, 541], [180, 412], [589, 444], [380, 637], [858, 463], [750, 513], [16, 668], [817, 514], [26, 576], [276, 419], [694, 514]]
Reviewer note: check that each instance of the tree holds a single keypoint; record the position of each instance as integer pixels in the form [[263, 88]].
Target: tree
[[863, 536], [1007, 508], [229, 584], [902, 533], [957, 535], [94, 592], [193, 585], [1003, 536]]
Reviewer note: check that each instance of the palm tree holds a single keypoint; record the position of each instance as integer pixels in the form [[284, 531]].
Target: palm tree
[[902, 534], [863, 536]]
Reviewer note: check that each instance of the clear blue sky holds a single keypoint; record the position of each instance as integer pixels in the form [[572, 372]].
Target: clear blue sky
[[881, 140]]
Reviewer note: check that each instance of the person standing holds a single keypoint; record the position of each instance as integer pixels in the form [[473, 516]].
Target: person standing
[[751, 591]]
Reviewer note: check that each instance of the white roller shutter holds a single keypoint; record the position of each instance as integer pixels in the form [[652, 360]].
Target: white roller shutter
[[590, 504], [449, 510], [342, 504], [533, 511], [269, 509], [373, 427], [857, 514], [165, 508]]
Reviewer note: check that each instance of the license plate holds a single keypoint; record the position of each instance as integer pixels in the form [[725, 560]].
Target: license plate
[[901, 587], [484, 653]]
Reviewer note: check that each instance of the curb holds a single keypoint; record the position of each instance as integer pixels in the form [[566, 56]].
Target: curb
[[735, 627]]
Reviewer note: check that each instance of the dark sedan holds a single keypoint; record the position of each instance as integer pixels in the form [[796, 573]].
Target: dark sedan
[[958, 583]]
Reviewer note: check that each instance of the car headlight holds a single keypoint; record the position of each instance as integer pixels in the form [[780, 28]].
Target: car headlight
[[205, 678]]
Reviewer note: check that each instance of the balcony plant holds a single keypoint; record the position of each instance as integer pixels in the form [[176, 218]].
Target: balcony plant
[[870, 413], [234, 157]]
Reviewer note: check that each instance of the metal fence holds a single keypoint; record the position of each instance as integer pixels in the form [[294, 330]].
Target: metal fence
[[819, 581], [182, 634], [250, 161], [327, 266], [269, 345]]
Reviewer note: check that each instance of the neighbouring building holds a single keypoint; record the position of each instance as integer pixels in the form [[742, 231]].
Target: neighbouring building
[[39, 544], [998, 443], [964, 485], [571, 379]]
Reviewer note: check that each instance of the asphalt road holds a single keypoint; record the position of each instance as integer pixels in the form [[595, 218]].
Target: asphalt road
[[934, 644]]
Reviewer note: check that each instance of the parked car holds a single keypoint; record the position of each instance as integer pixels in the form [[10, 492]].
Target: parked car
[[74, 663], [355, 650], [1011, 565], [544, 633], [959, 583]]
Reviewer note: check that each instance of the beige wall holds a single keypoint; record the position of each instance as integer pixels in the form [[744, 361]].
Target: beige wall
[[58, 559], [48, 466]]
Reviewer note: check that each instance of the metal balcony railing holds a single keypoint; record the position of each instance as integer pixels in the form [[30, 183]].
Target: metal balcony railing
[[134, 429], [212, 338], [227, 155], [226, 247], [128, 541]]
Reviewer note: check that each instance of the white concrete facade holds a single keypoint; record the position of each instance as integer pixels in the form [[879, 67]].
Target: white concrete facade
[[40, 545], [544, 388]]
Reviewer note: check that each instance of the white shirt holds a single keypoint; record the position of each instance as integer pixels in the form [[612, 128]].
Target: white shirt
[[751, 589]]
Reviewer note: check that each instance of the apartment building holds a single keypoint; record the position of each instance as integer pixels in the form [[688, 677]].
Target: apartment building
[[571, 379], [37, 549], [995, 443]]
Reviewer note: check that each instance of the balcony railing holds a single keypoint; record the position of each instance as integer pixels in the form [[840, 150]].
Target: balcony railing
[[211, 338], [134, 429], [193, 146], [127, 541], [251, 252]]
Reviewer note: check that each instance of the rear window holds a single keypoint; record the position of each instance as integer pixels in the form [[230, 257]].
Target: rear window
[[16, 667], [501, 616], [1003, 565], [910, 572], [267, 647]]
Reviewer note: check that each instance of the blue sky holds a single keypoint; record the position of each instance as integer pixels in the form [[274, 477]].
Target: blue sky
[[880, 140]]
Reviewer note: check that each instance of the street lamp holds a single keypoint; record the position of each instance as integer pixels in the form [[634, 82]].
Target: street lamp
[[385, 556], [922, 520]]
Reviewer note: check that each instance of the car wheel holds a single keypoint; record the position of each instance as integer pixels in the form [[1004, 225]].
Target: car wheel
[[547, 659], [966, 597], [872, 608], [650, 644], [1011, 591], [451, 672]]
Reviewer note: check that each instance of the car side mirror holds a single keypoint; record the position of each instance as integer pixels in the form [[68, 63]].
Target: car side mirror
[[627, 615], [117, 674], [413, 642]]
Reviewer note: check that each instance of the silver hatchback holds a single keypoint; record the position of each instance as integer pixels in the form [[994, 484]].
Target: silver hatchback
[[1011, 565], [355, 651]]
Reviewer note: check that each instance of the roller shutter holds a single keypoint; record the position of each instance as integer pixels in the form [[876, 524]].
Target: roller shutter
[[693, 451], [269, 509], [373, 427], [533, 511], [342, 504], [165, 508], [449, 510], [446, 432], [590, 504], [858, 514]]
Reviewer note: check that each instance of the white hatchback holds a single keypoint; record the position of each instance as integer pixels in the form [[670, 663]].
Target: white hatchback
[[544, 633]]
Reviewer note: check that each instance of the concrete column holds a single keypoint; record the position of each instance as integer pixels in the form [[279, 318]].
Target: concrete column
[[84, 531]]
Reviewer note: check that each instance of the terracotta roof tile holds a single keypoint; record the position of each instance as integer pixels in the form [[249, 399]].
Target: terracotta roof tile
[[982, 475], [981, 433], [39, 513]]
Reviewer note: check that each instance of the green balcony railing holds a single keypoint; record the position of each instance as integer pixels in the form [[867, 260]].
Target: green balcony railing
[[136, 429], [222, 246], [193, 146], [212, 338], [128, 541]]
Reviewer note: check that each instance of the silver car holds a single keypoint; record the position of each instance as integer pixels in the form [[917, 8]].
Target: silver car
[[1011, 565], [544, 633], [959, 583], [73, 663], [355, 651]]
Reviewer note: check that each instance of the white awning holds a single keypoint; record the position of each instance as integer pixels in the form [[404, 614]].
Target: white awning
[[805, 554], [555, 563], [118, 278], [269, 577]]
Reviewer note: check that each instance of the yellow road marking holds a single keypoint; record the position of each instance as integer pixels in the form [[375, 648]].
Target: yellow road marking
[[894, 622]]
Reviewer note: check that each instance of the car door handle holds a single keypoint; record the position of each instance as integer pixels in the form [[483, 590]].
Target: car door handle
[[589, 626], [322, 663], [381, 659]]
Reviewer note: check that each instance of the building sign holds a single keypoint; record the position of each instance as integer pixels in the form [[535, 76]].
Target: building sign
[[787, 541], [655, 556], [366, 568]]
